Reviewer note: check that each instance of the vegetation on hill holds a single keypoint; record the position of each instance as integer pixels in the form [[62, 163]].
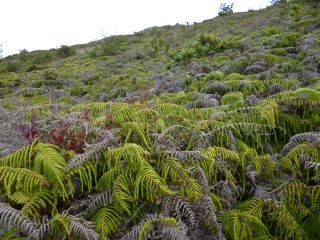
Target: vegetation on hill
[[203, 131]]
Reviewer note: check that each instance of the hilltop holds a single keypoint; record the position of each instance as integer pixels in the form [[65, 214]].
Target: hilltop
[[202, 131]]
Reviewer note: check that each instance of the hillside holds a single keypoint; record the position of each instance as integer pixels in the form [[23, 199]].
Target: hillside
[[202, 131]]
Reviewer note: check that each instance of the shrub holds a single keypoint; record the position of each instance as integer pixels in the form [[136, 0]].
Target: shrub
[[203, 45], [216, 75], [232, 98], [286, 39], [234, 76], [112, 45], [41, 57], [9, 79], [34, 67], [50, 74], [51, 79], [78, 91], [279, 52], [65, 51], [159, 43], [13, 66], [266, 32]]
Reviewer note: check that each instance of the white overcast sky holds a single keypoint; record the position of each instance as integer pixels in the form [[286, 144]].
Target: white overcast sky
[[45, 24]]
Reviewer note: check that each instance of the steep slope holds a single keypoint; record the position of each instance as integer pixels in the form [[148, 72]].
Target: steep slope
[[203, 131]]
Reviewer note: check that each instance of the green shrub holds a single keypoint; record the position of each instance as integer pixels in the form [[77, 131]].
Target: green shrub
[[203, 45], [13, 66], [36, 83], [286, 39], [65, 51], [78, 91], [233, 98], [266, 32], [112, 45], [158, 44], [279, 52], [4, 92], [34, 67], [9, 79], [234, 76], [51, 79], [271, 58], [42, 57], [50, 74], [216, 75], [225, 9]]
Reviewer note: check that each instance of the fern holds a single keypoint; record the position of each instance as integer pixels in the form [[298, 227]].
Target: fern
[[178, 174], [291, 160], [15, 179], [285, 226], [10, 217], [52, 163], [107, 220], [64, 225], [242, 225], [148, 184], [20, 158], [141, 231], [33, 202]]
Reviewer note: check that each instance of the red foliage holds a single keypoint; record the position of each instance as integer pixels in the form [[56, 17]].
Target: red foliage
[[57, 134], [76, 141], [29, 132]]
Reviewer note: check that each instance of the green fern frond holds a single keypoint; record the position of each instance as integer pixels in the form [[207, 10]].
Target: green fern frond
[[252, 206], [49, 160], [264, 165], [107, 220], [291, 160], [123, 112], [236, 221], [20, 158], [131, 153], [224, 153], [146, 116], [64, 226], [95, 108], [233, 99], [148, 225], [33, 202], [61, 224], [269, 111], [166, 108], [108, 178], [200, 113], [149, 185], [141, 130], [123, 198], [15, 179], [311, 95], [283, 223], [171, 167]]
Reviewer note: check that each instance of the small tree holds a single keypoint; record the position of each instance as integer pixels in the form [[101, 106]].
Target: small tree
[[225, 9], [277, 2]]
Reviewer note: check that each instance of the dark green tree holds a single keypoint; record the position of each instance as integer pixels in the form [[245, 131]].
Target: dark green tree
[[225, 9]]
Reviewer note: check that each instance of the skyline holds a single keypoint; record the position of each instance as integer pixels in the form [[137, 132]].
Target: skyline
[[36, 25]]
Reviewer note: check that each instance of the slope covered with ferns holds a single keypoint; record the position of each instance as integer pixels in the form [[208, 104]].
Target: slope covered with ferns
[[203, 131]]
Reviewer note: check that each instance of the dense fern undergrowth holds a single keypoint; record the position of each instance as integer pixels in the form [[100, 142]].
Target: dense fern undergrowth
[[206, 131]]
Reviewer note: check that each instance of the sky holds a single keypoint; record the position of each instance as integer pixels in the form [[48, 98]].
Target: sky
[[45, 24]]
